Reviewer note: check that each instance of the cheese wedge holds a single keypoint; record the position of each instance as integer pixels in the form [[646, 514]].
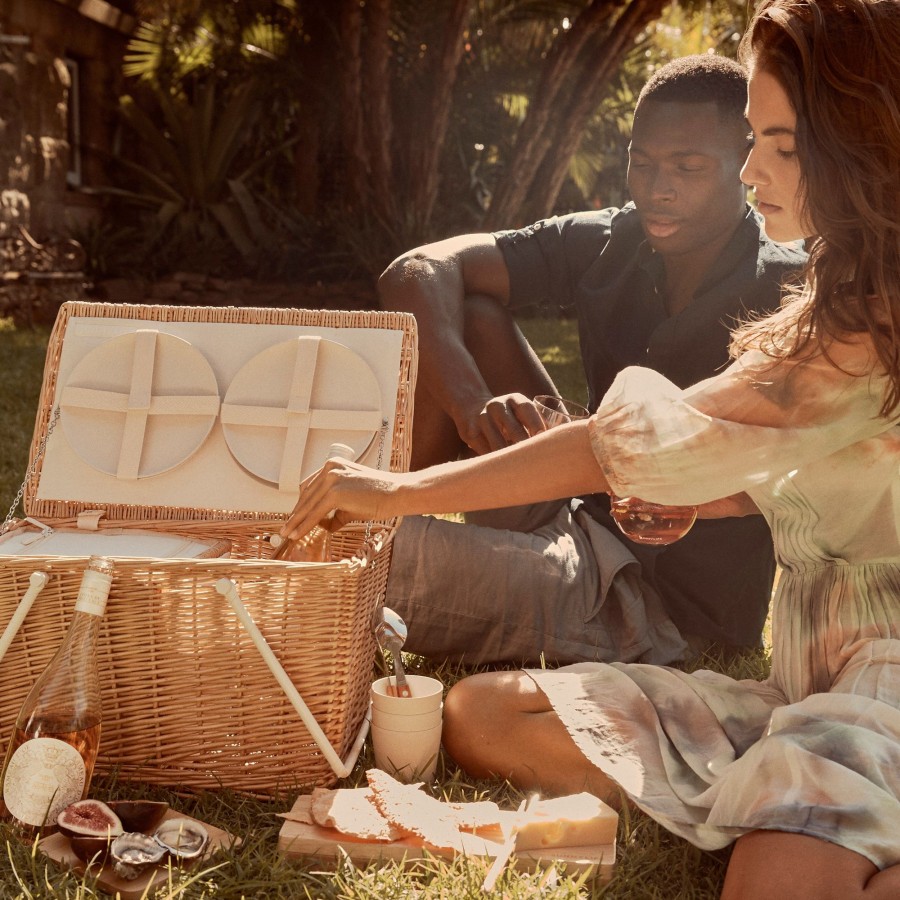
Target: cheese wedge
[[577, 820]]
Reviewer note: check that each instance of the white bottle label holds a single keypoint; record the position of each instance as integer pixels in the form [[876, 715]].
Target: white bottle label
[[93, 593], [43, 777]]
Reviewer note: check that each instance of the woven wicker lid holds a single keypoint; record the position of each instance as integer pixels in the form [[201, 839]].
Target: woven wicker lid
[[261, 394]]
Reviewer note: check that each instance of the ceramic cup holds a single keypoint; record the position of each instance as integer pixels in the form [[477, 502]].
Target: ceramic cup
[[403, 722], [406, 731], [406, 754], [427, 695], [557, 411]]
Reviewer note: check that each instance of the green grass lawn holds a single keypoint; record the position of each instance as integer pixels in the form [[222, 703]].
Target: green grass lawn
[[651, 863]]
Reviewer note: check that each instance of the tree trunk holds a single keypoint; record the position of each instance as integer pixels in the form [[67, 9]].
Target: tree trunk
[[424, 176], [533, 139], [355, 167], [570, 89], [378, 119], [566, 135]]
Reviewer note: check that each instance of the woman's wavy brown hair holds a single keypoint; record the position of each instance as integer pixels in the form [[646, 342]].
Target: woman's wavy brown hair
[[839, 62]]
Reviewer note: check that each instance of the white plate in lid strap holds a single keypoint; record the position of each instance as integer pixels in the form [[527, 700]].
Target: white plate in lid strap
[[289, 403], [139, 404]]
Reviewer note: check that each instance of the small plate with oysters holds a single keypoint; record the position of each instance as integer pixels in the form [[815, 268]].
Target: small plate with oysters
[[131, 844]]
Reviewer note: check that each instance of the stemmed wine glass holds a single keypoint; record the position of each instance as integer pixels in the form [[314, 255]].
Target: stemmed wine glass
[[639, 520]]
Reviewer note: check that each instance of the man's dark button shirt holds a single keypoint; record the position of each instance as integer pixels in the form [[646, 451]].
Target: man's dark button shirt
[[716, 581]]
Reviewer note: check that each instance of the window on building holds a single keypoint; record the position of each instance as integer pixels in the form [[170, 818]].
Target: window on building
[[73, 115]]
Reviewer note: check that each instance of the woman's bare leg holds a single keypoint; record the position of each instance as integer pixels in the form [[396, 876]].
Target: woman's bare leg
[[500, 724], [773, 865]]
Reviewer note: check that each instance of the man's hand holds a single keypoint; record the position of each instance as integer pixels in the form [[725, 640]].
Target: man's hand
[[501, 421]]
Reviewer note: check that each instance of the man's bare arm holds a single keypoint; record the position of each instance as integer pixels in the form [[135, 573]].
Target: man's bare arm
[[432, 282]]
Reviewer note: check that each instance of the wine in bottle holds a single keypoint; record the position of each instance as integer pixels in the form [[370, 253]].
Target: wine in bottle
[[51, 754], [315, 546]]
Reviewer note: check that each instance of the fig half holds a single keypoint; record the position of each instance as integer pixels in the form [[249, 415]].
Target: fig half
[[139, 815], [90, 849], [89, 818]]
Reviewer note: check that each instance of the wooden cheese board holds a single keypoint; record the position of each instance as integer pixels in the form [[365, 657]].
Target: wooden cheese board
[[298, 839], [58, 848]]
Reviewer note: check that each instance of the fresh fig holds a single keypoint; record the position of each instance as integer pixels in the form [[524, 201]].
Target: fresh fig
[[139, 815], [90, 849], [90, 818]]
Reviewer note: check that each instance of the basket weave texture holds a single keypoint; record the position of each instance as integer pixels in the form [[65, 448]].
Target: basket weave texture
[[187, 700]]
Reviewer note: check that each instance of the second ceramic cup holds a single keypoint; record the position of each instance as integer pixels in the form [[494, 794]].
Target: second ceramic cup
[[402, 722], [407, 755]]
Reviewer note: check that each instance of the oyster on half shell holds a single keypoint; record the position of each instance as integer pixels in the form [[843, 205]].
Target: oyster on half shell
[[183, 838], [133, 852]]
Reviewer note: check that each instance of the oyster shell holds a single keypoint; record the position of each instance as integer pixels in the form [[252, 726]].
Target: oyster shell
[[183, 838], [133, 852]]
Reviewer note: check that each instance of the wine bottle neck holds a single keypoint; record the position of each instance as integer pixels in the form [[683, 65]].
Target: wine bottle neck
[[93, 593]]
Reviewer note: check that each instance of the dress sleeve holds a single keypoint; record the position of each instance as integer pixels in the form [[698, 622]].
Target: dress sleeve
[[756, 420]]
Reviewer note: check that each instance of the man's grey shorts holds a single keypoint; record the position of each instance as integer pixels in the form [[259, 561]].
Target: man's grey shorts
[[543, 583]]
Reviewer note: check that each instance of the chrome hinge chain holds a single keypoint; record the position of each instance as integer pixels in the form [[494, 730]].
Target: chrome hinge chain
[[29, 474]]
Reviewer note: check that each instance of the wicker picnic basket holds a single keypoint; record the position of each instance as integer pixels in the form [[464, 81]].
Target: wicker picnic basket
[[188, 700]]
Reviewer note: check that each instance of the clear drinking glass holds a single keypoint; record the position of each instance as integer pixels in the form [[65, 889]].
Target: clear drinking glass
[[651, 523], [557, 411]]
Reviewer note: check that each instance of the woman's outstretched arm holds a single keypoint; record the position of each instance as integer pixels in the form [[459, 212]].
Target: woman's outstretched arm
[[558, 463]]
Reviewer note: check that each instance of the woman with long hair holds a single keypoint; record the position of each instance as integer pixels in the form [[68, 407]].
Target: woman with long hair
[[802, 770]]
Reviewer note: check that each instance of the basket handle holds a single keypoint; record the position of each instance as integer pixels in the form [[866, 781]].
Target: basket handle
[[342, 768], [36, 582]]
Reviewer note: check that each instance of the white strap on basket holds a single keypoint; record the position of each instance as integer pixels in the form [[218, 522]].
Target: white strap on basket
[[36, 582], [342, 768]]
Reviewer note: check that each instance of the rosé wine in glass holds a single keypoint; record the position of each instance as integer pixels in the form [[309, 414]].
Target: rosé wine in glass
[[651, 523]]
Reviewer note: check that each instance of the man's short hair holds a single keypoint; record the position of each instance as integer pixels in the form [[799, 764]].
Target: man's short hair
[[700, 79]]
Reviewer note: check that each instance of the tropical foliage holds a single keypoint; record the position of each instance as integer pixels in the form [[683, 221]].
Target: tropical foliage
[[369, 127]]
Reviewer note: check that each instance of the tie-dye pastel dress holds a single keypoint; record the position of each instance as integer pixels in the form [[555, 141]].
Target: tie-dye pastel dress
[[814, 749]]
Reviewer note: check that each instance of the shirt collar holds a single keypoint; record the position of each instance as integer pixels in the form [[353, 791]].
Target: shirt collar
[[746, 233]]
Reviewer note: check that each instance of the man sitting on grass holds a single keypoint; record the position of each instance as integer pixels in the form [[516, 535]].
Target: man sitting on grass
[[659, 283]]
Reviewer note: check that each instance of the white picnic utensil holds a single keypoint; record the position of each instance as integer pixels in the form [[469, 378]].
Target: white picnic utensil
[[390, 633], [509, 845], [36, 582]]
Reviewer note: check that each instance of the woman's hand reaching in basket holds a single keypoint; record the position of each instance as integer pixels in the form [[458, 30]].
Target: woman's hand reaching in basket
[[346, 488], [526, 472]]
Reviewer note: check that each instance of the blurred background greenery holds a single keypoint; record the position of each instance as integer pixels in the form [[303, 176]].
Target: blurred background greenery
[[303, 140]]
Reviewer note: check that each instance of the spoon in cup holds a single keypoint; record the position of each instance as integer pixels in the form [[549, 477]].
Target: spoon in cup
[[390, 633]]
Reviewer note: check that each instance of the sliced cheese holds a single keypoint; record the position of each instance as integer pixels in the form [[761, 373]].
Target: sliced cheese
[[577, 820], [476, 815]]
